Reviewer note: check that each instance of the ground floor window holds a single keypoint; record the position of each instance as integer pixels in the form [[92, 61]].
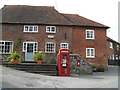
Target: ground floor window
[[117, 57], [64, 46], [90, 53], [50, 47], [110, 56], [6, 47], [113, 57]]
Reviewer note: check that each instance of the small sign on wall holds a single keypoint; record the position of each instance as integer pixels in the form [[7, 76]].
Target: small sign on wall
[[50, 36], [41, 51]]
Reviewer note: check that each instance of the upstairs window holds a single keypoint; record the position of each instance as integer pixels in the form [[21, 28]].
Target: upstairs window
[[64, 46], [90, 53], [90, 34], [50, 29], [118, 47], [6, 47], [50, 47], [111, 45], [30, 28]]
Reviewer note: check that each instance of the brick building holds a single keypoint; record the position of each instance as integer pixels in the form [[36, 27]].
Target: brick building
[[30, 29], [114, 51]]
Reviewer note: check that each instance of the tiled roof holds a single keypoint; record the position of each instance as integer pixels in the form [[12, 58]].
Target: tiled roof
[[111, 40], [43, 15], [82, 21], [32, 14]]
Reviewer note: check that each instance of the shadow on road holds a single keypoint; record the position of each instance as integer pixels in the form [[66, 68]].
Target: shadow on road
[[7, 85]]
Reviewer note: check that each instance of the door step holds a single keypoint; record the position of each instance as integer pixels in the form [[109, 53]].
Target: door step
[[28, 61], [35, 68]]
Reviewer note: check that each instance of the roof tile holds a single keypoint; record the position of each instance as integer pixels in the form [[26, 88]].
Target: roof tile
[[43, 15]]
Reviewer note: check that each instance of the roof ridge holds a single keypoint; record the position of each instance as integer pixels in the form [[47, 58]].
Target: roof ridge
[[27, 6], [69, 14]]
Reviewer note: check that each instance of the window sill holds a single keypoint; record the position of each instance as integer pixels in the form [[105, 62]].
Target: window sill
[[90, 38], [111, 48], [30, 32], [4, 53], [90, 57], [51, 32]]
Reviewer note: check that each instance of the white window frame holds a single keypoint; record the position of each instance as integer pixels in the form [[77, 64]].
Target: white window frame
[[90, 56], [111, 45], [25, 46], [33, 28], [66, 46], [117, 56], [46, 48], [49, 29], [113, 57], [117, 47], [93, 36], [4, 47], [110, 56]]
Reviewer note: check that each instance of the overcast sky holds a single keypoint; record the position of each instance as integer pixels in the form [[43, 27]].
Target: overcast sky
[[102, 11]]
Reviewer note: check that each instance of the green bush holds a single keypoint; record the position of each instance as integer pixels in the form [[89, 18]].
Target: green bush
[[15, 55], [38, 56], [93, 66]]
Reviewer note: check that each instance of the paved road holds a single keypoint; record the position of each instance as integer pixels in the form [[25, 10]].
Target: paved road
[[20, 79]]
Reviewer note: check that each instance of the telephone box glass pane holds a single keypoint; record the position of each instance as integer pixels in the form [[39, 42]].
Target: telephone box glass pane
[[64, 60]]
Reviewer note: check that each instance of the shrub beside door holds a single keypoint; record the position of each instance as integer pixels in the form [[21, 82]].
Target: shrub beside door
[[39, 57], [15, 57]]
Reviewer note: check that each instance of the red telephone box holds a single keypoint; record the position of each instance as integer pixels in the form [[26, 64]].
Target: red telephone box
[[64, 62]]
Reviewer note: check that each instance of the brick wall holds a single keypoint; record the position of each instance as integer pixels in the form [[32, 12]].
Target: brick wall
[[75, 36], [110, 51], [99, 43]]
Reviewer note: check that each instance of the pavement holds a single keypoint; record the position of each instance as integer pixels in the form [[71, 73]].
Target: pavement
[[19, 79]]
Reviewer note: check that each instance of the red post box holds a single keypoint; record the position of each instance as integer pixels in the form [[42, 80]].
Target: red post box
[[78, 62], [64, 62]]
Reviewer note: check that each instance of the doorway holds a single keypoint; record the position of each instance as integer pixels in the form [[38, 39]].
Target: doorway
[[30, 49]]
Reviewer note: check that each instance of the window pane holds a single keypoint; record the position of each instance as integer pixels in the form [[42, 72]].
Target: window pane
[[0, 43], [35, 28], [3, 49], [89, 34], [35, 47], [30, 28], [50, 47], [6, 47], [50, 29], [90, 52], [111, 45], [24, 46], [64, 45], [26, 28]]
